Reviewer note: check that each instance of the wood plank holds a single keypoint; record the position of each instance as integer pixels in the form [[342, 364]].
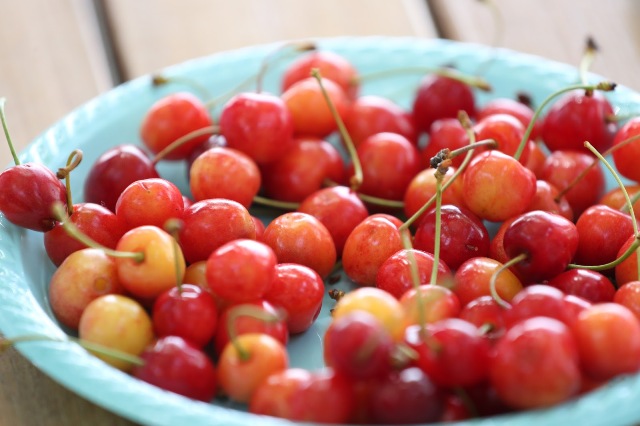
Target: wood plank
[[52, 62], [152, 34], [555, 29]]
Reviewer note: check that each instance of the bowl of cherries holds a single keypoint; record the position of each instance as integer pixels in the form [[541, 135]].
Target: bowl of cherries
[[335, 231]]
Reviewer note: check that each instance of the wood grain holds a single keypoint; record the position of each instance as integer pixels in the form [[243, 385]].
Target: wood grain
[[554, 29]]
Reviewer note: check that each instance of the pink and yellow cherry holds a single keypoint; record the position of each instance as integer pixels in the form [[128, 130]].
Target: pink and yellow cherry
[[506, 130], [473, 280], [389, 162], [117, 322], [371, 114], [297, 237], [462, 235], [576, 117], [210, 223], [561, 168], [259, 125], [113, 171], [536, 364], [186, 311], [521, 111], [547, 241], [537, 158], [548, 198], [171, 118], [625, 157], [302, 170], [441, 97], [278, 392], [159, 266], [445, 133], [608, 339], [428, 304], [394, 275], [616, 200], [241, 270], [222, 172], [149, 202], [628, 295], [93, 220], [370, 243], [496, 186], [298, 290], [339, 209], [331, 65], [247, 361], [584, 283], [423, 187], [311, 114], [173, 364], [82, 277], [627, 270]]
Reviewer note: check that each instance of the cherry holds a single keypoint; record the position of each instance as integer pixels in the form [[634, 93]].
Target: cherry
[[536, 364], [576, 117], [548, 198], [537, 300], [462, 235], [371, 114], [486, 314], [171, 118], [226, 173], [113, 171], [547, 241], [278, 392], [258, 124], [173, 364], [616, 200], [521, 111], [589, 285], [429, 303], [186, 311], [445, 133], [149, 202], [472, 280], [624, 156], [506, 130], [627, 270], [628, 295]]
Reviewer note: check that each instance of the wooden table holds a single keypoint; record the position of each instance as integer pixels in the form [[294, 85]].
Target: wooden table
[[57, 54]]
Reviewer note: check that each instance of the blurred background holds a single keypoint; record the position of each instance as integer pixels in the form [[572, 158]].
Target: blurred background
[[57, 54]]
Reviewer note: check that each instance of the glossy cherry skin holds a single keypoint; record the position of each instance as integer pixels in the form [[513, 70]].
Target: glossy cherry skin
[[173, 364], [227, 173], [445, 133], [187, 311], [298, 290], [496, 186], [602, 231], [537, 300], [210, 223], [517, 109], [423, 187], [627, 270], [584, 283], [303, 170], [549, 242], [616, 200], [429, 303], [546, 198], [462, 235], [562, 167], [113, 171], [373, 114], [93, 220], [625, 157], [506, 130], [28, 192], [472, 280], [536, 364], [149, 202], [440, 97], [339, 209], [485, 312], [258, 124], [172, 117], [628, 295], [389, 162]]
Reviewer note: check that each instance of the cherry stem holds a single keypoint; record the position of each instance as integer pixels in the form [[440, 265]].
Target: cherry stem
[[285, 205], [160, 80], [402, 355], [173, 227], [73, 161], [384, 202], [472, 81], [605, 86], [445, 154], [584, 171], [633, 247], [356, 179], [440, 172], [304, 46], [60, 214], [466, 123], [214, 102], [633, 200], [209, 130], [249, 311], [89, 346], [494, 277], [587, 59], [16, 160]]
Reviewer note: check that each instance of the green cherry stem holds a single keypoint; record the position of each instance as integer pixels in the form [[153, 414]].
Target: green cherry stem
[[356, 179], [16, 160], [632, 248], [161, 80], [209, 130], [492, 282], [73, 161], [633, 200], [384, 202], [284, 205], [440, 172], [250, 311], [60, 214], [605, 86], [173, 227]]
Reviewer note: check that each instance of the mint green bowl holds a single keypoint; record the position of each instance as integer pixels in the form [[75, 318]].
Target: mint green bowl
[[114, 117]]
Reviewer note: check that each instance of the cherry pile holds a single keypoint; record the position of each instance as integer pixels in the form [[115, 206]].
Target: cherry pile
[[489, 271]]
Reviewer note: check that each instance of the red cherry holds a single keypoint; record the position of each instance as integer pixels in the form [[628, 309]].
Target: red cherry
[[625, 157], [628, 295], [429, 303], [546, 198], [445, 133], [589, 285], [506, 130], [537, 300], [423, 187], [517, 109], [149, 202], [473, 277]]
